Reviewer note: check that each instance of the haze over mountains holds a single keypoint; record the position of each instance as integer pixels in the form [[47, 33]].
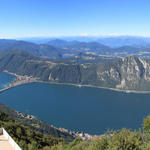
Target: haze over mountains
[[80, 62], [74, 46], [111, 41], [35, 49]]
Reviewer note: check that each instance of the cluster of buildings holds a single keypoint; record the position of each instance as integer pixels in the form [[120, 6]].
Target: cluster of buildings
[[25, 115], [82, 135], [27, 78]]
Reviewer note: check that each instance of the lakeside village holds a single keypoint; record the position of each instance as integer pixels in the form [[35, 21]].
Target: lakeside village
[[18, 80], [84, 136], [27, 116]]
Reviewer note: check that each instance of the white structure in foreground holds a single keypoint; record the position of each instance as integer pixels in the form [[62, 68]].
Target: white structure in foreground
[[6, 142]]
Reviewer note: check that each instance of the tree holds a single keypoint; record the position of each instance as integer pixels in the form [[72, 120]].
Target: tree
[[146, 124]]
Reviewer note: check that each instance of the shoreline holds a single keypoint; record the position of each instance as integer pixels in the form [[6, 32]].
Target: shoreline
[[99, 87], [20, 80]]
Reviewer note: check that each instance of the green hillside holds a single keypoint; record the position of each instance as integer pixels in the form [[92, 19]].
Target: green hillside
[[124, 139], [41, 50], [24, 136], [35, 124], [130, 73]]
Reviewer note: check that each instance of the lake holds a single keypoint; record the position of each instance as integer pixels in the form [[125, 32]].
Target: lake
[[5, 79], [91, 110]]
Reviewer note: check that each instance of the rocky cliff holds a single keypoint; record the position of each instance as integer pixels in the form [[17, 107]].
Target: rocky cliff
[[130, 73]]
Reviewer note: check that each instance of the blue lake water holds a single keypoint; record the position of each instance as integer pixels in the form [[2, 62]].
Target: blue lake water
[[5, 79], [91, 110]]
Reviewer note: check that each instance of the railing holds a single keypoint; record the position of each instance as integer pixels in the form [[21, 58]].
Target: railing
[[10, 140]]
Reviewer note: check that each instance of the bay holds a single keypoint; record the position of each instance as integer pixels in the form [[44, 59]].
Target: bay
[[87, 109]]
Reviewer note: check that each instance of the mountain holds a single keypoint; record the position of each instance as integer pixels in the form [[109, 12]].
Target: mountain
[[111, 41], [88, 46], [37, 40], [44, 40], [57, 49], [86, 58], [6, 40], [120, 41], [130, 73], [58, 43], [76, 47], [41, 50]]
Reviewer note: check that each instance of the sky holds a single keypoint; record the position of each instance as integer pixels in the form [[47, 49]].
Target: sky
[[48, 18]]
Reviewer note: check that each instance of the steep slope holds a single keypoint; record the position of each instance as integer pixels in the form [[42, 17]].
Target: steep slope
[[25, 136], [29, 139], [126, 73], [130, 73], [35, 124]]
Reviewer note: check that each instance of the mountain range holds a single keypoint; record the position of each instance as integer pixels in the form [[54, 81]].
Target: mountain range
[[57, 49], [41, 50], [111, 41], [130, 73]]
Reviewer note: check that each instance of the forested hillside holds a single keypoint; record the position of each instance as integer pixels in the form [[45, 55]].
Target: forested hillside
[[130, 73], [35, 124], [24, 136], [124, 139], [41, 50]]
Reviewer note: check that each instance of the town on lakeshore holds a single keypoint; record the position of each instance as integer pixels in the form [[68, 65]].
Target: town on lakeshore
[[19, 80]]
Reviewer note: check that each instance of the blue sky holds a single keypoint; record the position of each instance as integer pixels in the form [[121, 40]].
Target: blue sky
[[31, 18]]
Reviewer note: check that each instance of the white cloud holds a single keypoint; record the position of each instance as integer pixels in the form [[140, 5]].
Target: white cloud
[[84, 34]]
